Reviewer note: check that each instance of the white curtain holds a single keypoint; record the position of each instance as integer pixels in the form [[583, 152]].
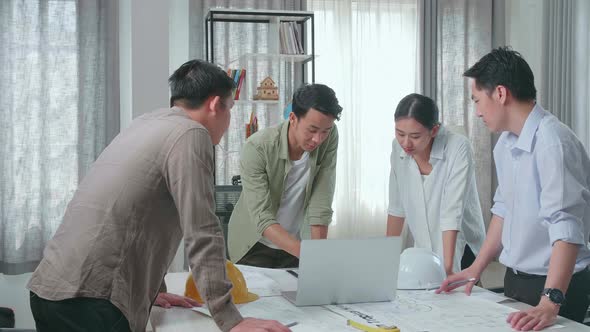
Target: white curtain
[[373, 53], [464, 35], [367, 54], [565, 90], [59, 109]]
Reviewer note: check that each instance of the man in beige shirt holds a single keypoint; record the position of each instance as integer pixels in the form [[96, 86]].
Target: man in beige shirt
[[103, 269]]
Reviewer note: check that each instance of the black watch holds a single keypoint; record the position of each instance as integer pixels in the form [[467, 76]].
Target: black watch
[[555, 295]]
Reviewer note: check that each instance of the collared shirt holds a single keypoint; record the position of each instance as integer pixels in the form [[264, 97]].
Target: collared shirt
[[543, 193], [444, 200], [122, 228], [264, 166]]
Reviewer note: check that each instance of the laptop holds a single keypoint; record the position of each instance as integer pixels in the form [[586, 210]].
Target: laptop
[[347, 271]]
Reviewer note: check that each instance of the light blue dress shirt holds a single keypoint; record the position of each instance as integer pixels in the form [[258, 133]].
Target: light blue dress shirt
[[543, 193]]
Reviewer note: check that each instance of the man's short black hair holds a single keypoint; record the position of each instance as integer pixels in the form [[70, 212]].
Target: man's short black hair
[[504, 66], [196, 80], [317, 96]]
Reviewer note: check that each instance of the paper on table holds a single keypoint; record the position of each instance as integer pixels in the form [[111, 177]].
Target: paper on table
[[430, 296], [302, 328], [277, 308], [425, 311], [307, 327], [272, 307], [258, 283], [489, 296]]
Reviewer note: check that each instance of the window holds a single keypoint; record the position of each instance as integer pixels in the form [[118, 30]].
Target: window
[[367, 54], [56, 107]]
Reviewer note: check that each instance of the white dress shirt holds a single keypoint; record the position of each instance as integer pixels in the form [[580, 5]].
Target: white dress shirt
[[543, 193], [444, 200]]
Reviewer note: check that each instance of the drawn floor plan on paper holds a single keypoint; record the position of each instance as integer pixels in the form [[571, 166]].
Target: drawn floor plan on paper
[[409, 305], [278, 308], [423, 311], [272, 307]]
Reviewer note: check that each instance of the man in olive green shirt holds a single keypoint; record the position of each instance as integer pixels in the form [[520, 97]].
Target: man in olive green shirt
[[288, 176], [151, 186]]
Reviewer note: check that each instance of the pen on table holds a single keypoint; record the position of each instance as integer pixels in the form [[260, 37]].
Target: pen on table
[[293, 273], [291, 324], [461, 282], [455, 283]]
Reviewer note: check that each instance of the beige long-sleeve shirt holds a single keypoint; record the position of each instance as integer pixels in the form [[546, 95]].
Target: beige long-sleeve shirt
[[149, 187]]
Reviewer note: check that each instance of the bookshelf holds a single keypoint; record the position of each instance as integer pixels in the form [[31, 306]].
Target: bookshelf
[[269, 17], [276, 22], [280, 45]]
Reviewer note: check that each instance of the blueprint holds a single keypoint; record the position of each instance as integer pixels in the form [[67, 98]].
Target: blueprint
[[428, 312], [280, 309]]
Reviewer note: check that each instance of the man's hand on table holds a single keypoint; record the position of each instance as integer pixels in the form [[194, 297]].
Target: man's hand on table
[[168, 300], [259, 325], [535, 318], [465, 275]]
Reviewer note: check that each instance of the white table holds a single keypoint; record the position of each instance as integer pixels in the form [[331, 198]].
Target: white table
[[180, 319]]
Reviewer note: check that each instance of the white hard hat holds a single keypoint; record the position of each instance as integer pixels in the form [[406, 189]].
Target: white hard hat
[[420, 268]]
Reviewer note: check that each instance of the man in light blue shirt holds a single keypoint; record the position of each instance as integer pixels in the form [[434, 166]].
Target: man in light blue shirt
[[541, 212]]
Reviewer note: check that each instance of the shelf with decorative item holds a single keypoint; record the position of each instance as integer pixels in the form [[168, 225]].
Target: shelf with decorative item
[[289, 58], [251, 102], [275, 45]]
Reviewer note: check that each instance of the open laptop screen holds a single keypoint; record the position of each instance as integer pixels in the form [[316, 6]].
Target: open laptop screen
[[347, 271]]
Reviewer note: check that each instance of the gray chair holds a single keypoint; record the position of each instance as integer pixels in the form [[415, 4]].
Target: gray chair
[[7, 321], [226, 198], [6, 317]]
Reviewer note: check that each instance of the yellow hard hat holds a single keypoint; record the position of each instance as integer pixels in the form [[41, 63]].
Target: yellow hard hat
[[239, 290]]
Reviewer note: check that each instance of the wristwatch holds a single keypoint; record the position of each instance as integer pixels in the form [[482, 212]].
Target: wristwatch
[[555, 295]]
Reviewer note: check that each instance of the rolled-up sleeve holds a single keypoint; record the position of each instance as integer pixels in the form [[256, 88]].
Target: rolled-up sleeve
[[563, 193], [256, 187], [455, 189], [499, 208], [189, 176], [319, 211]]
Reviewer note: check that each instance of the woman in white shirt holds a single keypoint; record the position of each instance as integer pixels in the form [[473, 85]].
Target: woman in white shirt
[[432, 184]]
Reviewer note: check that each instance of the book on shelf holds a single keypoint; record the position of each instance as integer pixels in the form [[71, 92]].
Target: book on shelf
[[290, 38], [252, 125], [238, 76]]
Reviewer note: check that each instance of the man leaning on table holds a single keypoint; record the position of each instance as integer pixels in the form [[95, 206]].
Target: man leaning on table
[[103, 269], [541, 211], [288, 176]]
